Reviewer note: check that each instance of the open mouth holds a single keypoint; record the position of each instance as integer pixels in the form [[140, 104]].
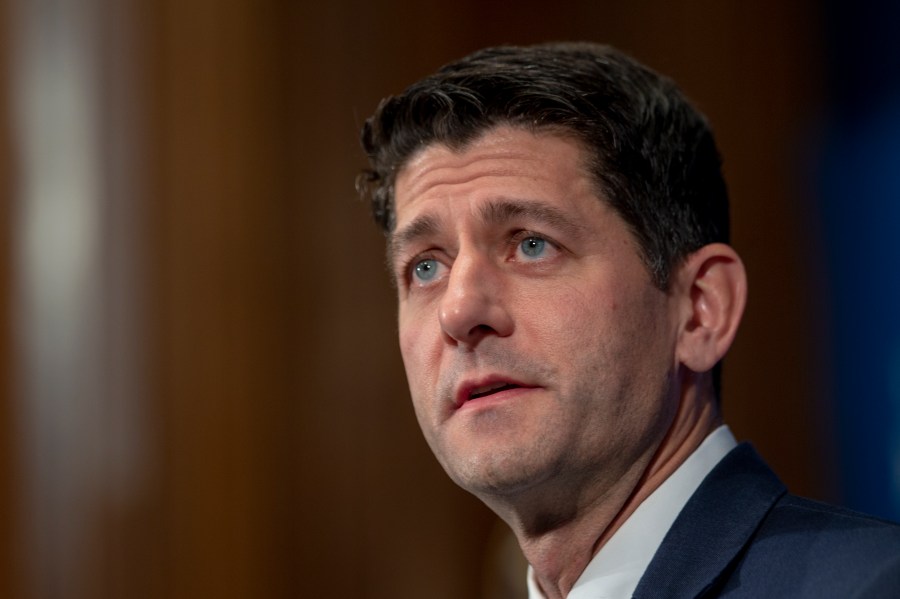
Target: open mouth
[[491, 389]]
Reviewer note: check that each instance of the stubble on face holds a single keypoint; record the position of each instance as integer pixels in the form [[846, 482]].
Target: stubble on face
[[505, 469], [590, 332]]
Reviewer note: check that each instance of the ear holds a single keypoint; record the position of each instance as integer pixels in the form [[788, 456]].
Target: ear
[[712, 289]]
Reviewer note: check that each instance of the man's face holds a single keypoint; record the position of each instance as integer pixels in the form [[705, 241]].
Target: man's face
[[539, 353]]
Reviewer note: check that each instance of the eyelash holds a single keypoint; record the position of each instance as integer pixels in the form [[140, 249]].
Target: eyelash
[[406, 274], [513, 243], [516, 240]]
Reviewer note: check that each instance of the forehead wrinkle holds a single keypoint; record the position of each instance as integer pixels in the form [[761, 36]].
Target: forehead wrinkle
[[421, 180], [420, 176], [493, 212]]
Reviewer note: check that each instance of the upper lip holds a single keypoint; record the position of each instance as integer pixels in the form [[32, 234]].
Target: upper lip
[[485, 385]]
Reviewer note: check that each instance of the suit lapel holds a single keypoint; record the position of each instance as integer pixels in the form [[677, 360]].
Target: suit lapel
[[713, 528]]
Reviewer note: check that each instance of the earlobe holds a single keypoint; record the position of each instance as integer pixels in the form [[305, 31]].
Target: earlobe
[[712, 285]]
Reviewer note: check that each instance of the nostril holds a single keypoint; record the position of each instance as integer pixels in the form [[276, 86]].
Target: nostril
[[472, 304]]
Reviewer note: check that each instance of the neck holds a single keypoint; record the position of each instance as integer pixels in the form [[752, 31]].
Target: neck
[[561, 548]]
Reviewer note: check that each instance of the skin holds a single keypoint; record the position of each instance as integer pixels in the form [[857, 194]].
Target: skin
[[547, 372]]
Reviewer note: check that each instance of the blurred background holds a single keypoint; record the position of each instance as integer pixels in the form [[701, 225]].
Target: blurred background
[[200, 389]]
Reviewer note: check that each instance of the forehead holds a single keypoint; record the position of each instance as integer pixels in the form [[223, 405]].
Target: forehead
[[504, 160]]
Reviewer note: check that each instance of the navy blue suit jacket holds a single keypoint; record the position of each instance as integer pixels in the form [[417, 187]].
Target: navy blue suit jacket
[[743, 535]]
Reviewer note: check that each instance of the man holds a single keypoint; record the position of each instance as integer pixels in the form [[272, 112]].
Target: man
[[557, 229]]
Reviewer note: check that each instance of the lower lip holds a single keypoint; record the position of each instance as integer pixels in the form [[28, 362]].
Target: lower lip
[[493, 399]]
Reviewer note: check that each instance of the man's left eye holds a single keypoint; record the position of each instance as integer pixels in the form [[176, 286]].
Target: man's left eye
[[533, 247]]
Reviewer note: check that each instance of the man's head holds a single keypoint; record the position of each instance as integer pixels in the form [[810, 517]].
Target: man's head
[[554, 217], [651, 154]]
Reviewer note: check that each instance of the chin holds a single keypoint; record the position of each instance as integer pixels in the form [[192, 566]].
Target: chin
[[495, 475]]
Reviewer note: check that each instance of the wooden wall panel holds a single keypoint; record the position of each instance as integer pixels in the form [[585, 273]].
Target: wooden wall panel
[[10, 491], [222, 296], [286, 460]]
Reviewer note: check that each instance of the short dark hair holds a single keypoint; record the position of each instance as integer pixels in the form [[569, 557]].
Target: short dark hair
[[650, 151]]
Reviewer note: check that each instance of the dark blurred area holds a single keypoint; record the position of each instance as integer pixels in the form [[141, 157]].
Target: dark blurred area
[[855, 157], [200, 389]]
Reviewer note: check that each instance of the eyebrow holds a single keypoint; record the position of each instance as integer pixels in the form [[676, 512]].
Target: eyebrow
[[423, 226], [504, 210], [492, 213]]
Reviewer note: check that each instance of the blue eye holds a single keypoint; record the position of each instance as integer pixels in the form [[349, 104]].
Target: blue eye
[[533, 246], [425, 270]]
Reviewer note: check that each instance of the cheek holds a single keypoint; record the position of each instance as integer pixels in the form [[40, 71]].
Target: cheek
[[410, 351], [412, 362], [407, 338], [619, 331], [409, 327], [585, 319], [418, 348]]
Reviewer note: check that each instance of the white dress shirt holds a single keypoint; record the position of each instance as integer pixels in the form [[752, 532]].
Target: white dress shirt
[[617, 568]]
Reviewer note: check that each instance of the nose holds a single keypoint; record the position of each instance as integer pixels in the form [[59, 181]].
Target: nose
[[473, 305]]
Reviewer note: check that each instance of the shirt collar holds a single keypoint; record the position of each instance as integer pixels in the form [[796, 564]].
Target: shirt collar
[[616, 569]]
